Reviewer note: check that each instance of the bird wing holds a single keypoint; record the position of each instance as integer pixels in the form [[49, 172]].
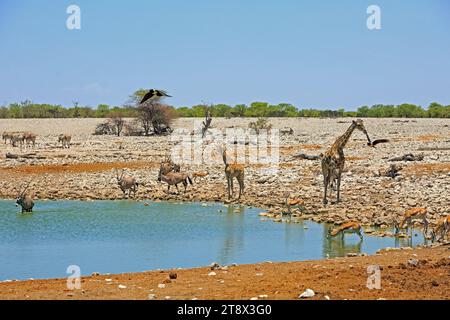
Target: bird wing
[[147, 96], [162, 93]]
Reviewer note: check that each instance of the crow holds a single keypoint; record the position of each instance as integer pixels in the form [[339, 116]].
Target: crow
[[154, 93]]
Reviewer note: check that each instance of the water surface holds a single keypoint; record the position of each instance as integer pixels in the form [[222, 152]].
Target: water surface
[[126, 236]]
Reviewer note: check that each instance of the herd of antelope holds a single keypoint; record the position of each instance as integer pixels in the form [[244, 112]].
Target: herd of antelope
[[20, 138], [332, 168], [28, 139]]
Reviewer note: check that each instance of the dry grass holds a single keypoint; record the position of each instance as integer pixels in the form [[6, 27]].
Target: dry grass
[[353, 158], [78, 167], [429, 137], [288, 150], [421, 169]]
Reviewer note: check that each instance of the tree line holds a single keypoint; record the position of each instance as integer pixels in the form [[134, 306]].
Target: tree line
[[28, 109]]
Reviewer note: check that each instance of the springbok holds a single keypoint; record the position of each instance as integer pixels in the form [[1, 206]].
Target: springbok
[[441, 229], [346, 227], [409, 217], [296, 202], [25, 201], [174, 178], [233, 170], [65, 140], [126, 183], [199, 174]]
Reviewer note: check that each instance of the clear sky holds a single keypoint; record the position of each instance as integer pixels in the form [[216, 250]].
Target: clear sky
[[312, 53]]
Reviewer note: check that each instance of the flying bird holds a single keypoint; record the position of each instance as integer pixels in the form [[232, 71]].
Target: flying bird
[[154, 93], [375, 142]]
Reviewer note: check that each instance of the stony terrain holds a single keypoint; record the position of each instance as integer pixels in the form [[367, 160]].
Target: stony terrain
[[87, 170], [419, 274]]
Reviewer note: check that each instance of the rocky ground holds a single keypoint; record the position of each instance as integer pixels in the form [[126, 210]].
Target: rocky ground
[[87, 170], [422, 273]]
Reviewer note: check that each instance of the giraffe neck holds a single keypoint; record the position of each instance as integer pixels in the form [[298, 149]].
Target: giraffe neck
[[342, 140]]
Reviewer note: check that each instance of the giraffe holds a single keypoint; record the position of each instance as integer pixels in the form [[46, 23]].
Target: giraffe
[[333, 160]]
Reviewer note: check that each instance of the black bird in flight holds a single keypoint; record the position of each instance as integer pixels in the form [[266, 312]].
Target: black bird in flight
[[375, 142], [154, 93]]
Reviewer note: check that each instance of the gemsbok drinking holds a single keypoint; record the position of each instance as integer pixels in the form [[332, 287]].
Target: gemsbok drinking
[[24, 200]]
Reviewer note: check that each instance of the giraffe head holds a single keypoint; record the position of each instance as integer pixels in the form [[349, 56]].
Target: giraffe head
[[360, 126]]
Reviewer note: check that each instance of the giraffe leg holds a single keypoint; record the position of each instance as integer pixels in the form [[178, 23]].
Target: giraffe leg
[[241, 187], [232, 187], [338, 192], [326, 181], [228, 188]]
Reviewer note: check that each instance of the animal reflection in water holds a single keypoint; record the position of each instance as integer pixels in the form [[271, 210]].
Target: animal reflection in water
[[335, 243], [233, 234]]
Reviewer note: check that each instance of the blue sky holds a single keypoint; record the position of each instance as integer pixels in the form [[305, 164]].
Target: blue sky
[[309, 53]]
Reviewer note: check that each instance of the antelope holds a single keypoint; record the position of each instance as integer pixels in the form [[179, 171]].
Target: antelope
[[410, 216], [126, 183], [346, 227], [233, 170], [17, 137], [29, 138], [296, 202], [167, 165], [25, 201], [65, 140], [441, 229], [174, 178], [199, 175], [7, 136]]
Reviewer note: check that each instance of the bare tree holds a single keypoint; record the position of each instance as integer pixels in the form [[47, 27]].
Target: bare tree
[[207, 122], [117, 122], [155, 117]]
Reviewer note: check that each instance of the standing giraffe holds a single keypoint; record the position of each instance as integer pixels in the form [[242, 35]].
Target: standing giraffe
[[333, 160]]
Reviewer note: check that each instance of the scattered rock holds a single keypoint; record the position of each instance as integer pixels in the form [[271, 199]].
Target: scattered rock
[[308, 293], [413, 262], [215, 266]]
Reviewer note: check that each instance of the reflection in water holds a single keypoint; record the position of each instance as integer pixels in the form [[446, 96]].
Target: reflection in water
[[294, 233], [233, 236], [339, 247], [125, 236]]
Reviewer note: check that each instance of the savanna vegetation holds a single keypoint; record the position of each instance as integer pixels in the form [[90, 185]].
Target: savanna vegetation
[[131, 109]]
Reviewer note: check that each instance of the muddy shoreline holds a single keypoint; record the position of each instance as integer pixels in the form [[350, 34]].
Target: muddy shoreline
[[421, 273]]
